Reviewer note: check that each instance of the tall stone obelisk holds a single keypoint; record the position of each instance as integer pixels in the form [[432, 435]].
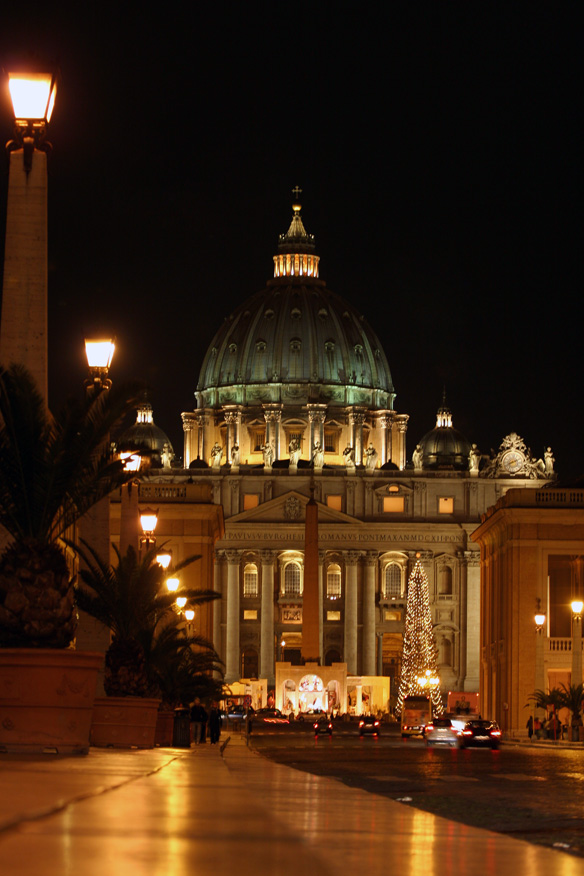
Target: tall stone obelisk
[[310, 602], [23, 322]]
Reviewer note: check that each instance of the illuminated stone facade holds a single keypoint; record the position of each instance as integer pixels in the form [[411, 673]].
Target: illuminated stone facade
[[532, 561]]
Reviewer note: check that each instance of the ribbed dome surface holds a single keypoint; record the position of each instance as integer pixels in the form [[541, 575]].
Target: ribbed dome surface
[[297, 333], [145, 433]]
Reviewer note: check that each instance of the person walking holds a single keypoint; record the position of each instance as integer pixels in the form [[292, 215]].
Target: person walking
[[529, 726], [198, 722], [214, 723]]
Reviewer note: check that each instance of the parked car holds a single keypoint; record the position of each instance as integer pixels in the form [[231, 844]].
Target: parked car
[[441, 732], [369, 724], [311, 715], [323, 725], [481, 733], [238, 713], [269, 716]]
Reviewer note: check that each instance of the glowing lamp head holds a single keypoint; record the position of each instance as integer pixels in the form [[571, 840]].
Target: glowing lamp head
[[99, 353], [132, 461], [33, 96], [181, 601], [539, 620], [163, 559], [172, 584], [148, 520], [577, 606], [189, 614]]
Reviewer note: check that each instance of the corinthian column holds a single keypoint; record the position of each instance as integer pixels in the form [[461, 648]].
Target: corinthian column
[[232, 672], [267, 625], [369, 614], [350, 650]]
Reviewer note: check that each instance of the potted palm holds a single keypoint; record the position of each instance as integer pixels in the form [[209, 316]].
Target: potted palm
[[130, 599], [52, 470]]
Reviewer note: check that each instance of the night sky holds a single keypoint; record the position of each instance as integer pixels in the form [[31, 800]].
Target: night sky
[[439, 150]]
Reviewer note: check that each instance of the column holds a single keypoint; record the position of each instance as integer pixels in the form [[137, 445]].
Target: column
[[379, 637], [369, 614], [321, 558], [231, 436], [201, 423], [188, 427], [232, 667], [316, 418], [576, 644], [356, 420], [385, 424], [463, 638], [216, 605], [267, 623], [350, 650], [402, 428]]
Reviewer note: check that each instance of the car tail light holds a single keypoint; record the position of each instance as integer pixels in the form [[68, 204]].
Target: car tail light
[[377, 723], [429, 727], [316, 726], [361, 723], [467, 732], [495, 732]]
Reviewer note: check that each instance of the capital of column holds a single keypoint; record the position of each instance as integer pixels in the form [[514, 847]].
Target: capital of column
[[386, 420], [233, 557], [356, 418], [232, 417], [371, 558], [219, 556], [402, 422], [201, 420], [268, 557], [272, 415], [316, 414], [351, 557], [189, 419]]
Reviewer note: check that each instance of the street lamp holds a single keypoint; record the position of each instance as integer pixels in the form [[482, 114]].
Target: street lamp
[[428, 680], [163, 558], [148, 521], [577, 606], [24, 319], [99, 358]]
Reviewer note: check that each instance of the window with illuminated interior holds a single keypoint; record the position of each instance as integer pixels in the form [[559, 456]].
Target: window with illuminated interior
[[392, 581], [292, 579], [250, 580], [333, 581]]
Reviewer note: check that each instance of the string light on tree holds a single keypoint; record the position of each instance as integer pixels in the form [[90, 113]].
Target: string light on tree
[[419, 672]]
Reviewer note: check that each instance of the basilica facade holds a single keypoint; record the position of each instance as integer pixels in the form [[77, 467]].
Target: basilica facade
[[295, 398]]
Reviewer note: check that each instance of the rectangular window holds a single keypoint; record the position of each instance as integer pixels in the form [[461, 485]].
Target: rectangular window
[[446, 505], [331, 440], [250, 614], [258, 439], [391, 615], [393, 504], [250, 500], [333, 615], [335, 502]]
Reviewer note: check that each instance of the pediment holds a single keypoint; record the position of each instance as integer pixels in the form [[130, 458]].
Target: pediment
[[290, 508]]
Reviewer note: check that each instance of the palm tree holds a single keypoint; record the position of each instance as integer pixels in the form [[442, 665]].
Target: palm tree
[[545, 700], [572, 698], [52, 470], [129, 598], [181, 666]]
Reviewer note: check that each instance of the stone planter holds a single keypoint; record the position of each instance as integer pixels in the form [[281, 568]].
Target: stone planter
[[124, 722], [46, 699], [164, 728]]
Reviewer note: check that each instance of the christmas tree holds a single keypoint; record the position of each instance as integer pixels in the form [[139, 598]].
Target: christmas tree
[[419, 672]]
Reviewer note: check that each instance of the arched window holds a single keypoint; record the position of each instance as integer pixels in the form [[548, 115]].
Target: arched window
[[292, 579], [392, 581], [250, 580], [445, 581], [249, 663], [333, 581]]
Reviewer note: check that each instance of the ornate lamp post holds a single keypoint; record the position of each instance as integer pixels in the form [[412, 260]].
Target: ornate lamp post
[[577, 606], [148, 521], [99, 358], [540, 620], [23, 323]]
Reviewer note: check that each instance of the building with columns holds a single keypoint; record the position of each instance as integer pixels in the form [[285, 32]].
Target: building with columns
[[295, 395]]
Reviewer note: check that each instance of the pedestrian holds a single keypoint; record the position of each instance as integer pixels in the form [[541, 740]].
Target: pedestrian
[[214, 723], [198, 721], [529, 726]]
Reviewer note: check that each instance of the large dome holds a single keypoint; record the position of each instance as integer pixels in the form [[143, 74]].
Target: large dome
[[296, 342]]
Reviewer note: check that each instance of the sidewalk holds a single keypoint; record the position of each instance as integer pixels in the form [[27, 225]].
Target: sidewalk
[[169, 812]]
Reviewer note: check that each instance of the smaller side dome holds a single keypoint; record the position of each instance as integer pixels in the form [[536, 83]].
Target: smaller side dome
[[146, 434], [444, 447]]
